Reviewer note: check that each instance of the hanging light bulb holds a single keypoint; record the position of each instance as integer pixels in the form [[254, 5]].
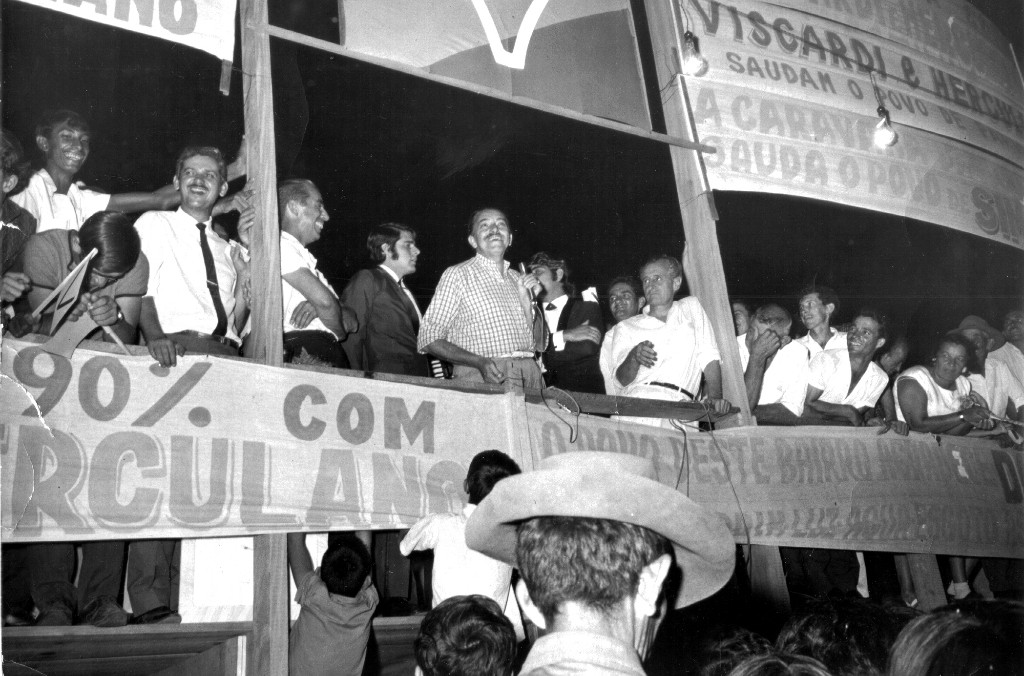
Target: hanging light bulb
[[693, 62], [885, 135]]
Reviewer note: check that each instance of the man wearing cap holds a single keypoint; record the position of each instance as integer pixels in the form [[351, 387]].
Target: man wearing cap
[[991, 378], [482, 318], [1009, 347], [590, 533]]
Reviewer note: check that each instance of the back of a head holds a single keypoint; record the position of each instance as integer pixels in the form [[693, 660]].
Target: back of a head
[[485, 470], [850, 637], [594, 562], [115, 240], [950, 643], [731, 646], [344, 566], [466, 636], [780, 665]]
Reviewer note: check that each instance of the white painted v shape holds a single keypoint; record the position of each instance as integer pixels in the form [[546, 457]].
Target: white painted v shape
[[517, 57]]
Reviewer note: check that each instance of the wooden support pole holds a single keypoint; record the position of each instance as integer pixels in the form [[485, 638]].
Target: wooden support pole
[[924, 570], [269, 650], [702, 258]]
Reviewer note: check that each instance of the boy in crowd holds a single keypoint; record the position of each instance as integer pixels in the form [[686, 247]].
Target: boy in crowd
[[457, 569], [337, 602], [465, 636]]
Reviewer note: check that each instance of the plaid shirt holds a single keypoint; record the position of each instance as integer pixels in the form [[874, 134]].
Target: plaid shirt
[[476, 306]]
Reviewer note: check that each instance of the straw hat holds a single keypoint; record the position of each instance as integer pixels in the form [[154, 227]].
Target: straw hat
[[610, 486], [976, 322]]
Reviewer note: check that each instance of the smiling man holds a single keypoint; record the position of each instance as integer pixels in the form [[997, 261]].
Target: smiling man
[[314, 319], [482, 318], [196, 299], [53, 197], [386, 310], [818, 305], [843, 383], [625, 298]]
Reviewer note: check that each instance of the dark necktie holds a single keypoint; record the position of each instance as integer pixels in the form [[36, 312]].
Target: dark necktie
[[412, 304], [549, 306], [211, 282]]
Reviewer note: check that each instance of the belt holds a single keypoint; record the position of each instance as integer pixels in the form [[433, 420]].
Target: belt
[[515, 355], [309, 333], [223, 340], [670, 386]]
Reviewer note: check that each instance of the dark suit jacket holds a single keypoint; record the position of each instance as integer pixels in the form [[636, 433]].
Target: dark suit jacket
[[576, 367], [386, 340]]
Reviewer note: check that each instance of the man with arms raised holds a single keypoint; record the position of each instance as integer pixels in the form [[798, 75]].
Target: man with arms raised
[[662, 353], [388, 314], [575, 328], [775, 368], [625, 298], [844, 383], [818, 304], [482, 316], [314, 320], [593, 536], [196, 299]]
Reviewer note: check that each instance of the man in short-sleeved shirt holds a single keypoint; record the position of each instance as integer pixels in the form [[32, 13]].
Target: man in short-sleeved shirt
[[844, 383], [818, 304], [314, 320], [776, 376], [482, 317], [662, 353]]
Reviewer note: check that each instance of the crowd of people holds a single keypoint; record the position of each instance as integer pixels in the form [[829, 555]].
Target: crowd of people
[[177, 282]]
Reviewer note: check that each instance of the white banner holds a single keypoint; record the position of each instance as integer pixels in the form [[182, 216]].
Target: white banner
[[208, 25]]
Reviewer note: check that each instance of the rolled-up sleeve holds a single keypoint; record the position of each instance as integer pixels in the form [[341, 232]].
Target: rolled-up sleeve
[[443, 310]]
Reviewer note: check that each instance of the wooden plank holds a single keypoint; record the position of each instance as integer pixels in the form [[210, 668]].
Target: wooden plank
[[768, 581], [332, 48], [702, 258], [219, 660], [924, 570], [269, 647], [26, 644], [629, 406], [98, 666]]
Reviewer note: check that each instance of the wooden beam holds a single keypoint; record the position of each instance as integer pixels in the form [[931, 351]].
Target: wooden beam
[[924, 570], [324, 45], [768, 583], [269, 648], [702, 258]]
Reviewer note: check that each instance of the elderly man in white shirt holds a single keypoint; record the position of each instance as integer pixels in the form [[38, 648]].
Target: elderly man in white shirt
[[662, 353], [993, 381], [845, 382], [197, 296], [775, 368]]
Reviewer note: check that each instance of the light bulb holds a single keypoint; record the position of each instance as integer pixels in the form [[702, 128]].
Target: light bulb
[[885, 135], [693, 62]]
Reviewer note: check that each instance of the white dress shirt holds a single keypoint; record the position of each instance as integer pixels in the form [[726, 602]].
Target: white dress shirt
[[551, 318], [785, 379], [830, 372], [294, 257], [836, 341], [54, 211], [177, 272], [1013, 358]]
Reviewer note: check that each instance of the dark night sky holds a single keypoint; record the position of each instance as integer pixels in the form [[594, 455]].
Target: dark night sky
[[387, 146]]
